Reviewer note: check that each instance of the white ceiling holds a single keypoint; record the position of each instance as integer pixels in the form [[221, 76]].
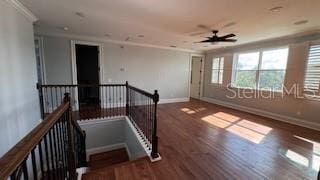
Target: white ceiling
[[171, 22]]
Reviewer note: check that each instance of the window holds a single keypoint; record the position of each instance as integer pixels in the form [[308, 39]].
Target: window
[[312, 74], [262, 69], [217, 70]]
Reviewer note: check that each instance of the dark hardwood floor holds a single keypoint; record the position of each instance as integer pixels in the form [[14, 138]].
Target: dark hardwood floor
[[198, 140]]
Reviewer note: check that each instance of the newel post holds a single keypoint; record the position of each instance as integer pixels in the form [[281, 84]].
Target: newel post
[[66, 98], [154, 151], [127, 98], [71, 151]]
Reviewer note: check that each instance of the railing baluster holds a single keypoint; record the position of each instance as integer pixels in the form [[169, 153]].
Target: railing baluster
[[25, 170], [51, 152], [52, 103], [41, 157], [57, 150], [34, 165], [47, 156], [47, 101], [65, 138]]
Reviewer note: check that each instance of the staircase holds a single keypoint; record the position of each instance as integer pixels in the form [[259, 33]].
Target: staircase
[[56, 148], [137, 169], [106, 159]]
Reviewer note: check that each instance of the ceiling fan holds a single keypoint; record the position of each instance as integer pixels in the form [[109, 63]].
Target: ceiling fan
[[215, 38]]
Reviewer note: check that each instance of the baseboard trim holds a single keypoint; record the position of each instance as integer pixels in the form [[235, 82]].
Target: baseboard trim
[[107, 148], [100, 120], [142, 140], [275, 116], [174, 100]]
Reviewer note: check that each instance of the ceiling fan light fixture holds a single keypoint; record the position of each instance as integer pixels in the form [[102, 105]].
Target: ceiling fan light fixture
[[80, 14], [64, 28], [276, 9]]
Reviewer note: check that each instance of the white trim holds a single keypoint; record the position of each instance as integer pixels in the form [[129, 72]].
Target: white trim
[[74, 66], [107, 148], [189, 75], [142, 140], [202, 73], [100, 39], [42, 60], [80, 171], [23, 10], [275, 116], [99, 120], [174, 100]]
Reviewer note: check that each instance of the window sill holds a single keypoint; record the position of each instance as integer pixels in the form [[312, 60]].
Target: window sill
[[311, 98], [217, 84]]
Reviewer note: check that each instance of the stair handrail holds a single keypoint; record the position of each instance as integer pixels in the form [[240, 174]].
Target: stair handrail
[[14, 163], [11, 160]]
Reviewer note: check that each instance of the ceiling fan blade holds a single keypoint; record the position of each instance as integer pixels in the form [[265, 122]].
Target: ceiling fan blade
[[202, 26], [228, 40], [227, 36], [205, 41], [199, 33]]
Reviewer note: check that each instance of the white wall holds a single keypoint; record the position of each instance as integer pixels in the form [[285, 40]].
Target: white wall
[[298, 111], [19, 104], [111, 134], [144, 67]]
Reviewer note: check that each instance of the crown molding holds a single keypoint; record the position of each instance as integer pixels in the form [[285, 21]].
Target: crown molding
[[278, 41], [23, 10], [97, 39]]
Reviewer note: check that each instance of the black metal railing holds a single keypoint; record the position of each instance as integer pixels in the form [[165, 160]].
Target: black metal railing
[[48, 151], [106, 101], [87, 101], [142, 111]]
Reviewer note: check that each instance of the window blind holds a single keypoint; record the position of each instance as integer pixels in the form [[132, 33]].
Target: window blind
[[312, 75]]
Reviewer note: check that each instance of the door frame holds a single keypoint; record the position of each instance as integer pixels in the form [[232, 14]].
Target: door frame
[[201, 76], [74, 67], [42, 60]]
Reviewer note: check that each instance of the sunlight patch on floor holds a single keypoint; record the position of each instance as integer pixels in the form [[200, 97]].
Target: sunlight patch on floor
[[216, 121], [297, 158], [246, 133], [188, 111], [192, 111], [315, 162], [246, 129], [255, 127], [226, 116]]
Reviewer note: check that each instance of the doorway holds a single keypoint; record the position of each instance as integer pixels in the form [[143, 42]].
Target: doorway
[[196, 77], [87, 71], [38, 44]]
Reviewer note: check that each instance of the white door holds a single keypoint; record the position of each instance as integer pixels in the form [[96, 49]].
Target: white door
[[195, 82]]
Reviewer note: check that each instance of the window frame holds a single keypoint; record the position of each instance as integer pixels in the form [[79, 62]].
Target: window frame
[[258, 70], [220, 69]]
